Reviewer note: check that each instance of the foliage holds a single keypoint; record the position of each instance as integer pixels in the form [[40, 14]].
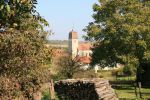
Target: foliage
[[129, 70], [125, 71], [14, 12], [120, 32], [116, 72], [68, 67], [24, 58]]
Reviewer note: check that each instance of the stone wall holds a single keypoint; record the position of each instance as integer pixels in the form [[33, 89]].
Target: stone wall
[[85, 89]]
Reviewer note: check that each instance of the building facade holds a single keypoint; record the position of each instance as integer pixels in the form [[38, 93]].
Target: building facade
[[73, 43], [79, 51]]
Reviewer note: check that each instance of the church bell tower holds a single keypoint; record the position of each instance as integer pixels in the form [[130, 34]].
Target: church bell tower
[[73, 43]]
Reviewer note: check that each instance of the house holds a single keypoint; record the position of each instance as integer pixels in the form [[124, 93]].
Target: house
[[79, 51]]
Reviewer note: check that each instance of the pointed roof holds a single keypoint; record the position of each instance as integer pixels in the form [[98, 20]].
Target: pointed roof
[[73, 35]]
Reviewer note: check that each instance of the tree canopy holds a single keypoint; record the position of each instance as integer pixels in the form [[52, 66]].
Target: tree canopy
[[24, 58], [120, 32], [14, 12], [67, 67]]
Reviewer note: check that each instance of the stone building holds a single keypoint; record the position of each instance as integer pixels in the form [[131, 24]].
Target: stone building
[[73, 43], [79, 51]]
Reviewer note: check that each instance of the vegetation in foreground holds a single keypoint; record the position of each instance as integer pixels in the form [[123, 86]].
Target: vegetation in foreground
[[23, 55]]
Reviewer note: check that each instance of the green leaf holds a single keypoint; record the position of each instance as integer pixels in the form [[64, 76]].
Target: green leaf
[[1, 7], [18, 1], [8, 8], [14, 1]]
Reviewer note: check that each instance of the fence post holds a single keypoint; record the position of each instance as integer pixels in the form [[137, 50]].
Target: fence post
[[52, 91], [139, 84]]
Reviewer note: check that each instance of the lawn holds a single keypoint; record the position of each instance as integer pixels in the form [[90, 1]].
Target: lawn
[[124, 87], [127, 94]]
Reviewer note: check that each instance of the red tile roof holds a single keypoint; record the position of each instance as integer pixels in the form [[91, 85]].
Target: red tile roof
[[84, 46], [84, 60]]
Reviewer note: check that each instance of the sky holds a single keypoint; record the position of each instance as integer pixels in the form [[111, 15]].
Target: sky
[[65, 15]]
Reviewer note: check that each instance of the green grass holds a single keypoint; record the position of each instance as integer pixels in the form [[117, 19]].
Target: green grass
[[46, 95], [129, 93], [106, 75], [122, 85], [124, 88]]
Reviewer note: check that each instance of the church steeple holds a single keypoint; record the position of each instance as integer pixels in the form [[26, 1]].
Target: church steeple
[[73, 35], [73, 43]]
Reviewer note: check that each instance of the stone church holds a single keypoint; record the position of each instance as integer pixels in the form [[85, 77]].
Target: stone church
[[77, 50]]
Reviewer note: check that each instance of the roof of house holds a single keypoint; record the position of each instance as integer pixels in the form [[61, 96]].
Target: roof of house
[[84, 59], [73, 35], [84, 46]]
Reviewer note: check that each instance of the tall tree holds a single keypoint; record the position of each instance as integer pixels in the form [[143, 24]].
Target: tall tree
[[24, 57], [121, 32]]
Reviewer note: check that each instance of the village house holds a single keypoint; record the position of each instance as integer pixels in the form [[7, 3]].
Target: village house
[[82, 52]]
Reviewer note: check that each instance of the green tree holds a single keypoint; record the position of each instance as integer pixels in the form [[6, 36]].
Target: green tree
[[120, 32], [14, 12], [68, 67], [24, 59]]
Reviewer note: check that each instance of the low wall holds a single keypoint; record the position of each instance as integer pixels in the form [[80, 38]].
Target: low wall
[[85, 89]]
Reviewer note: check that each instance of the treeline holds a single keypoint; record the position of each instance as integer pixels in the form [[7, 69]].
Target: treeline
[[60, 42]]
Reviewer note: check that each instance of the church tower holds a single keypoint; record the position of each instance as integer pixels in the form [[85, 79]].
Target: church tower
[[73, 43]]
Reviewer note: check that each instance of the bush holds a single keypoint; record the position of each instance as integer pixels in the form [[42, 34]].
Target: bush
[[23, 61], [67, 67], [126, 70], [116, 72]]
